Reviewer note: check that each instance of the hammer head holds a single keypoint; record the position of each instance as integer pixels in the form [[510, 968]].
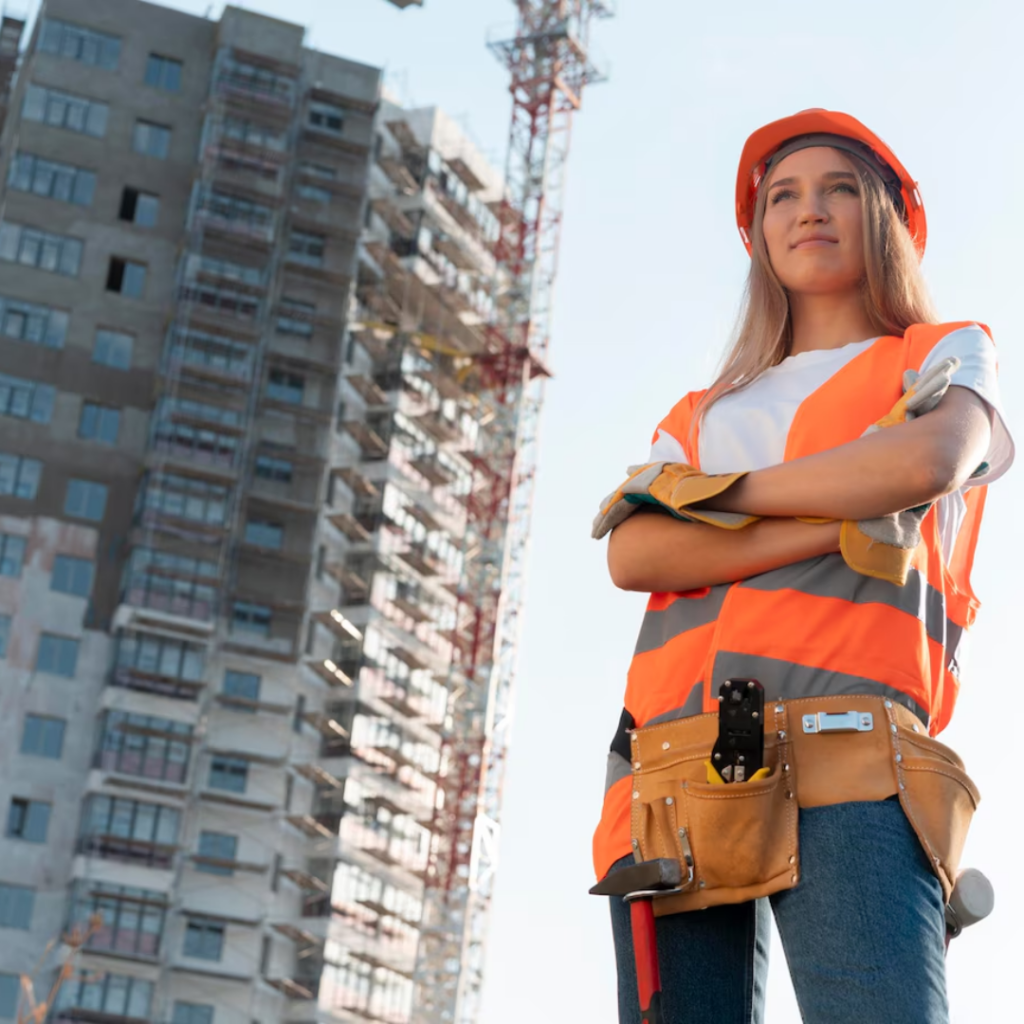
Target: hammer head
[[661, 873]]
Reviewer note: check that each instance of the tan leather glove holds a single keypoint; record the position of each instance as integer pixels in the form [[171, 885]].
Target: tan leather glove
[[672, 487], [884, 547]]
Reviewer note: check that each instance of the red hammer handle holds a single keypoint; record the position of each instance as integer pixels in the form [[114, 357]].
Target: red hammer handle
[[645, 951]]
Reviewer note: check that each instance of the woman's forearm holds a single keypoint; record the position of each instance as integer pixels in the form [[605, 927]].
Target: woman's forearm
[[893, 469], [651, 552]]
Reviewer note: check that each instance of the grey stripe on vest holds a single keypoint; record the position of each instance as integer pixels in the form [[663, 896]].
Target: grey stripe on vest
[[830, 576], [683, 614], [694, 706], [954, 639], [788, 680], [618, 768]]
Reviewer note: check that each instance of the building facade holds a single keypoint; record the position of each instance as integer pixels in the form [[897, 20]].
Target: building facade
[[242, 308]]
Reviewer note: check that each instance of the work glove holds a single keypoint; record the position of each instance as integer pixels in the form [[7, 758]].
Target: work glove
[[884, 547], [672, 487]]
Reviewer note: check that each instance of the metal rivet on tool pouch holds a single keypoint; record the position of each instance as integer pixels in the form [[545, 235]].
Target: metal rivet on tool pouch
[[893, 727], [902, 786], [700, 884], [899, 757], [789, 794], [793, 878], [668, 800], [779, 709], [636, 795], [792, 860], [785, 767], [666, 745], [782, 734], [636, 765], [888, 703]]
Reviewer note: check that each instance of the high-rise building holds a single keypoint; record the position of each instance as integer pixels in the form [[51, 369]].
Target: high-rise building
[[242, 303]]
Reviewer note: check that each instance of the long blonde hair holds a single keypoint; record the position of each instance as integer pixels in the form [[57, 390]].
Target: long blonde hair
[[895, 295]]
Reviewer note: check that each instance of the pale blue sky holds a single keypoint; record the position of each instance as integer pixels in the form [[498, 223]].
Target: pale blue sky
[[651, 272]]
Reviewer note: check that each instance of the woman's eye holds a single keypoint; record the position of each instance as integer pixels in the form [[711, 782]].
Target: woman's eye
[[782, 193], [846, 188]]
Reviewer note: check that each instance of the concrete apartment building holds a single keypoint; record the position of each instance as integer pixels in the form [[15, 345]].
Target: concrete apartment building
[[239, 297]]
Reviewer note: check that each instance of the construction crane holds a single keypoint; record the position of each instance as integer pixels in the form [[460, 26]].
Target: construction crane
[[549, 63]]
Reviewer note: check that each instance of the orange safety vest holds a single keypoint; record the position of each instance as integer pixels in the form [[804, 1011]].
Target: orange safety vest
[[815, 627]]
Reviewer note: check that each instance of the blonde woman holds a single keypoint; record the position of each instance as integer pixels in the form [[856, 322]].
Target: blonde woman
[[868, 600]]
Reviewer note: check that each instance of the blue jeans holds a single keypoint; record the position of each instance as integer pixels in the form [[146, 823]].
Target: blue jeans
[[863, 932]]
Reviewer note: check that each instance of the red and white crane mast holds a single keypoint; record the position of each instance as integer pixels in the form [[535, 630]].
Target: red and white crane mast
[[549, 63]]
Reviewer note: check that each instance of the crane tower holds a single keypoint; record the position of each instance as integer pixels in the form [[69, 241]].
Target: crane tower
[[549, 64]]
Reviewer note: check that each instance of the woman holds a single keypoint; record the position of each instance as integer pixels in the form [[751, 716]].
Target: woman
[[836, 312]]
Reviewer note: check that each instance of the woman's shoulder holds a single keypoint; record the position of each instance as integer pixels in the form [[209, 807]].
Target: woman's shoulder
[[962, 338], [677, 422]]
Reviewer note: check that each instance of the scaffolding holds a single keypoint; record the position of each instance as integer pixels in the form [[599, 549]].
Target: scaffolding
[[549, 63]]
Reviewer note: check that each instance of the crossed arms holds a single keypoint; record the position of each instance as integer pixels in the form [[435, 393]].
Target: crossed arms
[[901, 467]]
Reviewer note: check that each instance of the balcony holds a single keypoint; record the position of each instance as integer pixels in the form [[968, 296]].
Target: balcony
[[128, 851], [154, 682]]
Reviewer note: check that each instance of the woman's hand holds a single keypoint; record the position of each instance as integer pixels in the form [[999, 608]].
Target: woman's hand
[[901, 467], [651, 552]]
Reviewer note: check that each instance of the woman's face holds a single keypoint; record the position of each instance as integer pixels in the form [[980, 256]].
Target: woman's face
[[812, 222]]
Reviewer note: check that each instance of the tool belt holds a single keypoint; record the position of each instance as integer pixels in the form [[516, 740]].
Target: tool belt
[[739, 841]]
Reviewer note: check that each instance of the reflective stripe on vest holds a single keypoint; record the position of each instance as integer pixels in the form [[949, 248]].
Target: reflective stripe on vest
[[815, 627]]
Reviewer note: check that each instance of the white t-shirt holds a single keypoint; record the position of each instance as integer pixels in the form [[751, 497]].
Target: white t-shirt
[[748, 430]]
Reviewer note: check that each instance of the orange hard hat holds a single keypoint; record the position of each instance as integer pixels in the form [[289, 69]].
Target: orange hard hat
[[812, 127]]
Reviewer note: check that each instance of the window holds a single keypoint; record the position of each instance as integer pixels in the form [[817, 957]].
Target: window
[[12, 554], [139, 207], [264, 534], [5, 632], [250, 618], [186, 497], [318, 170], [130, 830], [132, 920], [57, 655], [19, 477], [230, 773], [126, 277], [10, 995], [228, 301], [71, 575], [252, 133], [104, 993], [56, 253], [222, 354], [268, 468], [213, 266], [237, 213], [245, 685], [163, 73], [28, 820], [113, 349], [151, 139], [326, 117], [64, 110], [54, 180], [38, 325], [294, 317], [203, 939], [42, 736], [285, 387], [263, 83], [217, 846], [157, 579], [306, 247], [26, 399], [85, 499], [145, 745], [16, 905], [99, 423], [75, 42], [192, 1013], [314, 193], [160, 656]]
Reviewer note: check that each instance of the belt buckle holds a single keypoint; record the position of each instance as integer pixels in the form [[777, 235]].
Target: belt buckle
[[843, 721]]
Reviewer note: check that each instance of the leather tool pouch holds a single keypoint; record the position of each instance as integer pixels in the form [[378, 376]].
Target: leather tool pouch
[[740, 841]]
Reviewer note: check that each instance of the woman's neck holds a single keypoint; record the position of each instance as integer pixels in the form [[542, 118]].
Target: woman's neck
[[828, 321]]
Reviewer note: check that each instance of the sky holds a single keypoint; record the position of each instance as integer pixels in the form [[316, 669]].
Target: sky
[[650, 277]]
